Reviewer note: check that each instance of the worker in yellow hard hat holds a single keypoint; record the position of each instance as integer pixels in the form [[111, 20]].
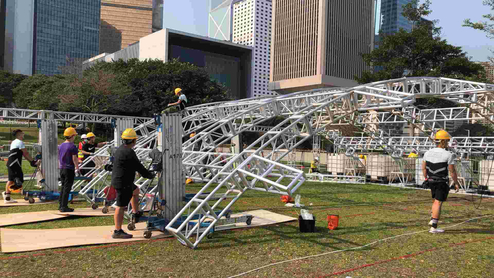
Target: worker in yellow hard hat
[[314, 165], [413, 154], [179, 105], [437, 163], [88, 149], [125, 166], [69, 165]]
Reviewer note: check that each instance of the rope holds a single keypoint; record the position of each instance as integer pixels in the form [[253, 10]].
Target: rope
[[351, 249]]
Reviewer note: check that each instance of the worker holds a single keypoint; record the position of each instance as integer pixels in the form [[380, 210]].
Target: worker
[[437, 162], [179, 105], [125, 165], [80, 155], [69, 165], [314, 165], [14, 165], [413, 154], [88, 149]]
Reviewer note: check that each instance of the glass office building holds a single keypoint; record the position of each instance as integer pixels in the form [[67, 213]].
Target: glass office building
[[64, 32], [389, 18]]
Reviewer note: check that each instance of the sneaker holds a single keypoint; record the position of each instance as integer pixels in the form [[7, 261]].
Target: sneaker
[[66, 209], [431, 223], [121, 234], [7, 199], [436, 230]]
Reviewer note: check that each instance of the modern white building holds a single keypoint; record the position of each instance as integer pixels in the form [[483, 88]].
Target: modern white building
[[246, 22]]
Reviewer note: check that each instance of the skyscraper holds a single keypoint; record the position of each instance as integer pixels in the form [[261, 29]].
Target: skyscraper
[[389, 17], [2, 32], [124, 22], [318, 43], [246, 22], [41, 36], [64, 31], [252, 26]]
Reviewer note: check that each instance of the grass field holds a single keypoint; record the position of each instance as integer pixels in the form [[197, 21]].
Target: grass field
[[394, 219]]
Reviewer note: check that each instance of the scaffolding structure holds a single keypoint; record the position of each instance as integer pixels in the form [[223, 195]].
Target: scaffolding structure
[[268, 164]]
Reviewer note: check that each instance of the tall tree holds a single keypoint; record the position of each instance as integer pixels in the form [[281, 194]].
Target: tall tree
[[8, 82], [487, 25], [98, 92], [38, 92], [420, 52], [153, 81]]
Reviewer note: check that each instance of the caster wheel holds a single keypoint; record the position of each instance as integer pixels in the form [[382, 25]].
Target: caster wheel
[[104, 210], [94, 206], [31, 200], [210, 236], [249, 220], [148, 234], [131, 226]]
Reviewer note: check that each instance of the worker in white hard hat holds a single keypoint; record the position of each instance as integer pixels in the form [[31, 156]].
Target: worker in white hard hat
[[80, 155], [438, 164], [125, 166]]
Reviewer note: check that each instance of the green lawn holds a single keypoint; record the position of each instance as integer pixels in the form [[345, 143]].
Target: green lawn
[[368, 213]]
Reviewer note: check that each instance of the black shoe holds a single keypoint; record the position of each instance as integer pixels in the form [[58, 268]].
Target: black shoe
[[121, 234], [66, 209]]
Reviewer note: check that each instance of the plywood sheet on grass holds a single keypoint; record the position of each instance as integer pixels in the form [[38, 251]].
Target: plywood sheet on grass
[[22, 202], [87, 212], [17, 240], [28, 217]]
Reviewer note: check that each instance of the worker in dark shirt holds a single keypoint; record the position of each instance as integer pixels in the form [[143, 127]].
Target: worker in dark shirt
[[88, 149], [125, 166]]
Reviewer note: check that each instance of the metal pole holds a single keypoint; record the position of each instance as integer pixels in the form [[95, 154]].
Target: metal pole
[[49, 148], [173, 177]]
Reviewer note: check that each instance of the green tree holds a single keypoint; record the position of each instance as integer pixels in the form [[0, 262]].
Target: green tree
[[8, 82], [486, 26], [153, 82], [38, 92], [100, 92], [420, 52]]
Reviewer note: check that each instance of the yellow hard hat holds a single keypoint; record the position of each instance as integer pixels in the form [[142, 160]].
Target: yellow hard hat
[[442, 135], [129, 133], [69, 132], [177, 90], [89, 135], [192, 134]]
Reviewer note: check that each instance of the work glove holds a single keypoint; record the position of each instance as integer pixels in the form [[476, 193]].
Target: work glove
[[151, 176]]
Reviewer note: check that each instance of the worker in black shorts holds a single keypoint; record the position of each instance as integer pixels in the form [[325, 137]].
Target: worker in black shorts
[[437, 163], [125, 166], [14, 166]]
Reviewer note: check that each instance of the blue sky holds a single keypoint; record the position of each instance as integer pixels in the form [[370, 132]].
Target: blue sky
[[192, 16]]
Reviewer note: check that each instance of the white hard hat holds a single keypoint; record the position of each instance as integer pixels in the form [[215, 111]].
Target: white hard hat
[[84, 136]]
